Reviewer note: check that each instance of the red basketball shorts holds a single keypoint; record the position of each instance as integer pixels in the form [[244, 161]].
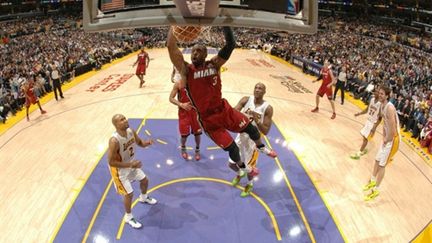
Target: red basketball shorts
[[220, 121], [323, 90], [141, 70], [188, 122]]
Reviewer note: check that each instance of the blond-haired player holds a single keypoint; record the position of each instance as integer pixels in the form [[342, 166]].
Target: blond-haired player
[[125, 168], [389, 146]]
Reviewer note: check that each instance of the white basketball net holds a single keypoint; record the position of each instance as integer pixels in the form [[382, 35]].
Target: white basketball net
[[203, 34]]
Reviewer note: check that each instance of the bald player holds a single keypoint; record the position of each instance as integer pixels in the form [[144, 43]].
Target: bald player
[[125, 168]]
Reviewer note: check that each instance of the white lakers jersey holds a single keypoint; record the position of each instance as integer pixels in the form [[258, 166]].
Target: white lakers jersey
[[246, 145], [386, 119], [374, 110], [126, 145]]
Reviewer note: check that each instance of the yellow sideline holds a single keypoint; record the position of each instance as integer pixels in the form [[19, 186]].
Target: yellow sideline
[[48, 97], [406, 137], [425, 236]]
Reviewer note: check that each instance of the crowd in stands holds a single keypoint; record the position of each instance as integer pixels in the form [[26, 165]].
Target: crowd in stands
[[372, 55], [31, 48]]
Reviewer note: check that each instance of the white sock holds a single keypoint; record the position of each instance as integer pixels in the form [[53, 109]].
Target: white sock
[[376, 188], [144, 196], [373, 178], [250, 182], [128, 217]]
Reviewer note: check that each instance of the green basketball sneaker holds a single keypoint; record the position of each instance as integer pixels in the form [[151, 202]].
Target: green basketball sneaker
[[369, 186], [237, 179], [247, 190]]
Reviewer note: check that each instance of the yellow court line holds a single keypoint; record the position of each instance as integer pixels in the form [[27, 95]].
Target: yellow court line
[[161, 141], [412, 143], [296, 201], [77, 192], [48, 97], [266, 207], [213, 148], [314, 183], [147, 132], [99, 206]]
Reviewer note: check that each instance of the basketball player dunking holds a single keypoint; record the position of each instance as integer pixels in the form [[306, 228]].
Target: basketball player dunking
[[30, 97], [143, 61], [389, 146], [188, 120], [326, 75], [260, 112], [203, 84], [125, 168]]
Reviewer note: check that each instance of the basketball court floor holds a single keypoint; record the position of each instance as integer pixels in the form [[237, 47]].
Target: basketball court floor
[[55, 183]]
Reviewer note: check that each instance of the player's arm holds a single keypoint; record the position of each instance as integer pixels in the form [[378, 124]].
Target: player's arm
[[241, 103], [364, 111], [319, 77], [173, 94], [147, 60], [186, 106], [392, 129], [265, 126], [176, 57], [140, 142], [225, 53], [172, 75], [114, 158]]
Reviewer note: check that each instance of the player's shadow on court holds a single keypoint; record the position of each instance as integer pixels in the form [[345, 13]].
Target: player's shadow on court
[[166, 216]]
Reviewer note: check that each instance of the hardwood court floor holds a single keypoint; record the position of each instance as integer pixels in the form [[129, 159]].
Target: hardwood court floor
[[45, 162]]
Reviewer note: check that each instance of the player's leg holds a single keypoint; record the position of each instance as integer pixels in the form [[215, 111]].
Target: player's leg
[[255, 135], [197, 146], [40, 107], [231, 121], [330, 98], [197, 131], [251, 175], [320, 93], [184, 129], [142, 178], [124, 187]]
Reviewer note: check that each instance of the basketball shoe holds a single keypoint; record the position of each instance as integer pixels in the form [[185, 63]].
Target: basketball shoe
[[372, 195], [247, 190], [148, 200], [237, 179], [268, 152], [132, 222], [371, 184], [197, 154], [184, 154]]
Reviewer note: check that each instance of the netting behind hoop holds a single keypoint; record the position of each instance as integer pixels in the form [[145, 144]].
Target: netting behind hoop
[[208, 36]]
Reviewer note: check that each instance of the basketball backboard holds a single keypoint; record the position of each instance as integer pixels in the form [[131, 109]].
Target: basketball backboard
[[296, 16]]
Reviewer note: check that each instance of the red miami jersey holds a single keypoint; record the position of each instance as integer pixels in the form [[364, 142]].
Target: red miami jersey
[[182, 96], [325, 72], [204, 87], [142, 58]]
